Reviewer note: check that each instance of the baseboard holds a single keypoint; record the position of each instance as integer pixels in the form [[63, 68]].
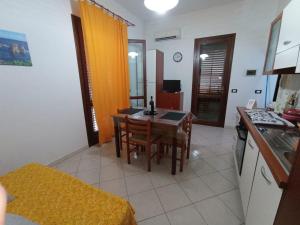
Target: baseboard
[[68, 156]]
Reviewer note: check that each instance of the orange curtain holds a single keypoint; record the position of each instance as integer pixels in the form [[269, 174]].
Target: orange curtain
[[106, 43]]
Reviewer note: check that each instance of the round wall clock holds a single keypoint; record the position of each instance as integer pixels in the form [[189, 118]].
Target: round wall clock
[[177, 57]]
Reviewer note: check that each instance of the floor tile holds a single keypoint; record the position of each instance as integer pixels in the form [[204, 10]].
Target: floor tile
[[68, 166], [187, 216], [215, 212], [138, 183], [230, 174], [161, 177], [196, 189], [89, 164], [217, 183], [89, 176], [200, 167], [158, 220], [116, 187], [219, 163], [233, 201], [187, 174], [172, 197], [111, 172], [146, 205]]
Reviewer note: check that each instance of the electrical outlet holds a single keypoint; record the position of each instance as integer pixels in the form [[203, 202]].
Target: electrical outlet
[[258, 92], [234, 90]]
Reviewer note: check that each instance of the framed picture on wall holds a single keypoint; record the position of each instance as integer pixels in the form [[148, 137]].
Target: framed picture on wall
[[14, 49]]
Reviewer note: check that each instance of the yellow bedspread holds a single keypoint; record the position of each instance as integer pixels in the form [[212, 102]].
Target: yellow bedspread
[[49, 197]]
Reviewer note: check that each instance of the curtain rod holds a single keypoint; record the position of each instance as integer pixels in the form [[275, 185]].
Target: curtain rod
[[112, 13]]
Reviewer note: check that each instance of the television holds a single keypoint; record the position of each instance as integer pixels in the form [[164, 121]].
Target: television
[[171, 86]]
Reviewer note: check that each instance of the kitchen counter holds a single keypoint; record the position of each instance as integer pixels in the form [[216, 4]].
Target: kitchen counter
[[278, 169]]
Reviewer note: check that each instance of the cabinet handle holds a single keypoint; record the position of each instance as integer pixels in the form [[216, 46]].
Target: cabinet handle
[[286, 42], [249, 143], [263, 173]]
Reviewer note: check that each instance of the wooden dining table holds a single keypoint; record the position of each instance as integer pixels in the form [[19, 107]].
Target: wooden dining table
[[169, 126]]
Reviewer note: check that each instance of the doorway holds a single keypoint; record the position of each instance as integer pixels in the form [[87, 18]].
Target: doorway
[[137, 69], [212, 69], [86, 91]]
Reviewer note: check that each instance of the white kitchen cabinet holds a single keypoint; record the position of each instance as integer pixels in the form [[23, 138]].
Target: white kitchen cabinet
[[290, 30], [248, 170], [287, 59], [265, 196]]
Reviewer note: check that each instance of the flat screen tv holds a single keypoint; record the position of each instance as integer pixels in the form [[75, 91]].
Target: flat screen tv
[[171, 86]]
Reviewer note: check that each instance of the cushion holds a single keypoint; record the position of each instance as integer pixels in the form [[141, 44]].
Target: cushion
[[12, 219]]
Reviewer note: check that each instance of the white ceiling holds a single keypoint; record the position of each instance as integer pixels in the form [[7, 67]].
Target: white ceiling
[[137, 7]]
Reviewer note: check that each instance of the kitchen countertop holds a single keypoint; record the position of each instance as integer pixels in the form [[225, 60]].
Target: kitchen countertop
[[278, 170]]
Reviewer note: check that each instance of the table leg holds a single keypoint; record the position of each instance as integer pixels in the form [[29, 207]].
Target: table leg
[[117, 138], [174, 155]]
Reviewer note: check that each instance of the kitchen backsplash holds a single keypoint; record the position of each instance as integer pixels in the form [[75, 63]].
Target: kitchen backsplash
[[289, 85]]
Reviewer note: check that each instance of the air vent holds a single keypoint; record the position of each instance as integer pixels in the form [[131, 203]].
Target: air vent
[[168, 35]]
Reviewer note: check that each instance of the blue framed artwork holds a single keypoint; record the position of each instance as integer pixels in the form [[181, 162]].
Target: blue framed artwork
[[14, 49]]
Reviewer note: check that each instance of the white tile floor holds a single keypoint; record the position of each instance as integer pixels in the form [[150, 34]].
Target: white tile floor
[[204, 194]]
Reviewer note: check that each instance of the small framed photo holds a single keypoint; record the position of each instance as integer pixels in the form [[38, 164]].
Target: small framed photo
[[251, 104]]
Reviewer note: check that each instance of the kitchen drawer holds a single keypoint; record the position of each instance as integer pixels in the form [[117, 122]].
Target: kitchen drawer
[[287, 58], [290, 30]]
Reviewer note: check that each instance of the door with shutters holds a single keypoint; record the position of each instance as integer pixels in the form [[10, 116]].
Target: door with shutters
[[212, 69], [86, 91]]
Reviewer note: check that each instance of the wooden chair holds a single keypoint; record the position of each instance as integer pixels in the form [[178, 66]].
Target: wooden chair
[[139, 133], [183, 140], [122, 130]]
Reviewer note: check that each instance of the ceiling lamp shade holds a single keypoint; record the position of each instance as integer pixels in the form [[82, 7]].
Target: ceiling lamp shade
[[160, 6]]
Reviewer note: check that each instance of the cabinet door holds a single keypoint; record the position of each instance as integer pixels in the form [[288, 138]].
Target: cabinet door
[[265, 196], [287, 58], [248, 170], [290, 29]]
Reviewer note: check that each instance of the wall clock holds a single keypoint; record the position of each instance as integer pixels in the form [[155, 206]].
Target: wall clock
[[177, 57]]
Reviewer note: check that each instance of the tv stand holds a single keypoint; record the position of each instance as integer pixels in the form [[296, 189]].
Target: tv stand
[[167, 100]]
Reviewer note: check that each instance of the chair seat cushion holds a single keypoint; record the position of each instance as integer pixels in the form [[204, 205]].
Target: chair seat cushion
[[142, 139]]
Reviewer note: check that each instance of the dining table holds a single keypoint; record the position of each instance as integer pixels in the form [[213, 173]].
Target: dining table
[[166, 120]]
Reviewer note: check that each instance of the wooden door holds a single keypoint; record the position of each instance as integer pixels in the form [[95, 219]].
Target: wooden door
[[137, 69], [89, 112], [212, 69]]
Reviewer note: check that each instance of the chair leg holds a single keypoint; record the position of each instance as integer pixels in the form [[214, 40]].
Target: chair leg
[[167, 149], [128, 153], [183, 149], [158, 153], [148, 152], [188, 149]]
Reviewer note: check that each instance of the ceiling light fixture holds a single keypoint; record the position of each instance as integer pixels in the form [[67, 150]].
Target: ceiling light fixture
[[203, 56], [160, 6], [133, 55]]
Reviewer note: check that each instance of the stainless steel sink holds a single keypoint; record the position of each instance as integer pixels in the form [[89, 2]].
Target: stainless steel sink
[[282, 143]]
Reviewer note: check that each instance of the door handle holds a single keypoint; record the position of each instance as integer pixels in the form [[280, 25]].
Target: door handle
[[263, 173], [287, 42]]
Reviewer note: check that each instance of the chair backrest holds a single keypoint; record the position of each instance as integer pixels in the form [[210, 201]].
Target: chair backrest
[[187, 124], [138, 127]]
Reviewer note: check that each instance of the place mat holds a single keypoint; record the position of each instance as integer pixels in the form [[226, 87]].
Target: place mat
[[131, 111], [173, 116]]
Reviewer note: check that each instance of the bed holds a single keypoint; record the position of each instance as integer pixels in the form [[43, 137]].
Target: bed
[[49, 197]]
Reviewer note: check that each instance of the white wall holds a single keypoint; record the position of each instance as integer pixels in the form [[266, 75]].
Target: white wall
[[41, 113], [134, 32], [249, 19]]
